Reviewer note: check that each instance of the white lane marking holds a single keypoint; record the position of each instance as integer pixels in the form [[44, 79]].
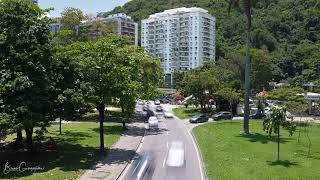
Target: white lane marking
[[167, 132], [167, 145], [196, 148], [164, 160]]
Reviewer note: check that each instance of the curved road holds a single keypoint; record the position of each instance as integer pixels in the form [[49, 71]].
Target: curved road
[[156, 142]]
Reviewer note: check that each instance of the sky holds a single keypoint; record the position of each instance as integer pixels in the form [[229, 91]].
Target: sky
[[87, 6]]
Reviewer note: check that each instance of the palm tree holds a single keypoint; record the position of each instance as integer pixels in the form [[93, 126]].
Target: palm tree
[[247, 5]]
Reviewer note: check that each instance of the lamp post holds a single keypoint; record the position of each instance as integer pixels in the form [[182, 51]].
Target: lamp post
[[100, 107]]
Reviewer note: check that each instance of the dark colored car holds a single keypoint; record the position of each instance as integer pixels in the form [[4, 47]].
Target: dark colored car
[[257, 116], [159, 109], [199, 118], [222, 115]]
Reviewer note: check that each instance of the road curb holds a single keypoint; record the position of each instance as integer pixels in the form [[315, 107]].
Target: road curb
[[200, 154], [125, 167]]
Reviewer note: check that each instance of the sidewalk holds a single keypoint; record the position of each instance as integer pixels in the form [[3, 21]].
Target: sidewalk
[[120, 154]]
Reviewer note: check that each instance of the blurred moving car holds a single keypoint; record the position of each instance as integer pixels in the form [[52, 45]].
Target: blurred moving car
[[159, 108], [168, 115], [141, 168], [199, 118], [156, 102], [153, 122], [222, 115], [176, 155]]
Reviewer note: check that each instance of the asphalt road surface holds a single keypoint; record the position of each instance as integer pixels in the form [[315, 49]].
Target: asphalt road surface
[[156, 143]]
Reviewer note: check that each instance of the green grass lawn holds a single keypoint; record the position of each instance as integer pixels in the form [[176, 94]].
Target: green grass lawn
[[185, 113], [230, 155], [77, 151]]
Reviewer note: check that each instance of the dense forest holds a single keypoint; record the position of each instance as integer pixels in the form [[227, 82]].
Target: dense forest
[[288, 31]]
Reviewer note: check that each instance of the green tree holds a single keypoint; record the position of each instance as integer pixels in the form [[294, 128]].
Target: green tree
[[202, 84], [275, 121], [27, 67], [71, 91], [71, 18], [227, 96]]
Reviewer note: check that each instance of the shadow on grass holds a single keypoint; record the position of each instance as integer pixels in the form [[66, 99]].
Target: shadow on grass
[[284, 163], [67, 155], [263, 139]]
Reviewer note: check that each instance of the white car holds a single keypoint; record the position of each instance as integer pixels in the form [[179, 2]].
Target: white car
[[157, 102], [176, 155], [153, 122], [168, 115]]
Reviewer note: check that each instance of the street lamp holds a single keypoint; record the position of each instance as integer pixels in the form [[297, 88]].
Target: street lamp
[[101, 114]]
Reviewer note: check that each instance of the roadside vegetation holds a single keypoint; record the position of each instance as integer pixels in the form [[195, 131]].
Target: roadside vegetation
[[230, 155], [67, 155]]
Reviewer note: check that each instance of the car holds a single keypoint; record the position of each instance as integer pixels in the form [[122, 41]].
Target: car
[[257, 116], [139, 102], [156, 102], [199, 118], [153, 122], [145, 107], [142, 168], [168, 115], [176, 157], [268, 111], [159, 108], [222, 115]]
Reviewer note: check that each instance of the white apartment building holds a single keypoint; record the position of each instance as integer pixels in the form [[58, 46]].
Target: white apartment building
[[182, 38]]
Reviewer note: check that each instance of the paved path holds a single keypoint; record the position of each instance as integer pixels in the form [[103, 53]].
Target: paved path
[[120, 154]]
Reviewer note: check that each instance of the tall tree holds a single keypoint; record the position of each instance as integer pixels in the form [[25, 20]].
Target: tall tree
[[247, 5], [27, 68], [71, 18]]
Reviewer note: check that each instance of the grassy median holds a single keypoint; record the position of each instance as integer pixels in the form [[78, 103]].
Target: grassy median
[[77, 149], [185, 113], [230, 155]]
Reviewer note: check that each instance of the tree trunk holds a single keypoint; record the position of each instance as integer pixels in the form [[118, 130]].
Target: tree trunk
[[60, 126], [247, 82], [101, 109], [123, 120], [29, 132], [18, 143], [278, 142]]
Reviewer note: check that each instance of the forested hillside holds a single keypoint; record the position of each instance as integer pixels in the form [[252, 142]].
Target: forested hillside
[[287, 30]]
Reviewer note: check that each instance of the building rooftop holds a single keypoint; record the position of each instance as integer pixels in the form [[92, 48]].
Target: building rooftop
[[179, 10], [119, 15]]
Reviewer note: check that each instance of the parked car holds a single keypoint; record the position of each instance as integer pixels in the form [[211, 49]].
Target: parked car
[[156, 102], [159, 108], [153, 122], [199, 118], [267, 111], [257, 116], [145, 107], [222, 115], [168, 115]]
